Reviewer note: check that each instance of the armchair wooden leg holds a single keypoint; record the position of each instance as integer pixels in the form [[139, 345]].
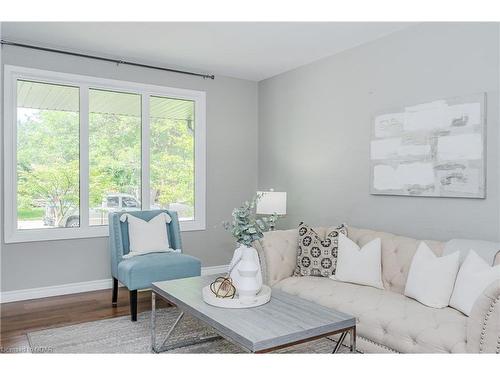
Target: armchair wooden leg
[[133, 305], [114, 299]]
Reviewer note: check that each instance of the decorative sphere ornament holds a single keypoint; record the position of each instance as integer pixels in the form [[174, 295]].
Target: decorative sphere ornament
[[223, 287]]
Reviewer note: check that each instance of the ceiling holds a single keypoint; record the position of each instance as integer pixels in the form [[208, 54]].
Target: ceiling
[[253, 51], [45, 96]]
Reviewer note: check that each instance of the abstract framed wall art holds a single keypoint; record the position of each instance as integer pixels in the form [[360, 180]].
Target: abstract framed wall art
[[434, 149]]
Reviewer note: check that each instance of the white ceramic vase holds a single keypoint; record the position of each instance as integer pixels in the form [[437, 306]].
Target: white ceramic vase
[[246, 273]]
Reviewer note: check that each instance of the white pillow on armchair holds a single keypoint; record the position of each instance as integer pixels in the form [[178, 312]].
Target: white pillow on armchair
[[147, 236]]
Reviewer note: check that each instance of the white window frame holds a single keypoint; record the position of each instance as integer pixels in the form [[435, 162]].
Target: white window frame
[[14, 73]]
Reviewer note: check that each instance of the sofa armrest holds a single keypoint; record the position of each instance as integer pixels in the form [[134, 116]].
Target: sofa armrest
[[278, 254], [483, 325]]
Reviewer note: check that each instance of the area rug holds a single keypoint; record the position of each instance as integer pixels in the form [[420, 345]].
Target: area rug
[[120, 335]]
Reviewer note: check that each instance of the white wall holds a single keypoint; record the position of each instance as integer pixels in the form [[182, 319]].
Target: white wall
[[231, 175], [314, 129]]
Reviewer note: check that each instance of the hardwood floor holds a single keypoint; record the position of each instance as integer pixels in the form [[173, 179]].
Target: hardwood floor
[[19, 318]]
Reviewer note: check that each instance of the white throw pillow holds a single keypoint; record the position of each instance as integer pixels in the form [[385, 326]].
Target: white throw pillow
[[431, 278], [359, 265], [473, 278], [147, 236]]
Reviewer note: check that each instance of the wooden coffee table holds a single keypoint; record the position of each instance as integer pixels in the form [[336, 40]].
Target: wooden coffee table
[[285, 320]]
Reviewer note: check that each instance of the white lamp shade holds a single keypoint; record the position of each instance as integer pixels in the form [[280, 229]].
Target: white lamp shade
[[272, 202]]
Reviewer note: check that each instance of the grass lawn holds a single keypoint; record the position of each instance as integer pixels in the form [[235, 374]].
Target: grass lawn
[[30, 213]]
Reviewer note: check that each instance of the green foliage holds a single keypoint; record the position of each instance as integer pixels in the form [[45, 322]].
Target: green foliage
[[30, 214], [114, 156], [48, 159], [58, 187], [245, 226], [172, 162]]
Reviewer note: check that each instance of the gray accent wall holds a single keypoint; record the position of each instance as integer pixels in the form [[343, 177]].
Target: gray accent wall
[[315, 121], [231, 175]]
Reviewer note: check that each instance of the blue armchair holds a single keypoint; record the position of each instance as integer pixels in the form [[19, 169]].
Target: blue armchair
[[140, 271]]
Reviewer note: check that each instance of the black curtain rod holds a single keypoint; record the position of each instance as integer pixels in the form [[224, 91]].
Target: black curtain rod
[[205, 76]]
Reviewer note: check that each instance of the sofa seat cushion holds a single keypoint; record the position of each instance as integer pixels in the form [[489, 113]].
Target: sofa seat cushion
[[140, 271], [390, 319]]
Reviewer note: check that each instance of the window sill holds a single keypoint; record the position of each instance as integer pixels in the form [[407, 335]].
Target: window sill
[[55, 234]]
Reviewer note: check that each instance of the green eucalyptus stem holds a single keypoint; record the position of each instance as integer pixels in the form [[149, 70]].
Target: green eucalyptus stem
[[245, 226]]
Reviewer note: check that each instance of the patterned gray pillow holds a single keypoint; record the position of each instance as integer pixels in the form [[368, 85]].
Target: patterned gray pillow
[[316, 256]]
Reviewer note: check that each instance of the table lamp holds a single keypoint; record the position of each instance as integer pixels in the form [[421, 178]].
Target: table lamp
[[271, 202]]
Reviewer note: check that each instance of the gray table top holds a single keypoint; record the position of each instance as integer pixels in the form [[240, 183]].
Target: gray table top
[[285, 319]]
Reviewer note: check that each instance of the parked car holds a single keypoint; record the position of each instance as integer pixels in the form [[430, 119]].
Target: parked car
[[97, 215]]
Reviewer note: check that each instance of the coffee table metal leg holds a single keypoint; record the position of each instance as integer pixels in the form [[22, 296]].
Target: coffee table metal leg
[[340, 342], [163, 347], [353, 339], [352, 334], [179, 317]]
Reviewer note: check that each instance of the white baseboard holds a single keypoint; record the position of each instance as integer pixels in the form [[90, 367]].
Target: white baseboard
[[86, 286], [55, 290]]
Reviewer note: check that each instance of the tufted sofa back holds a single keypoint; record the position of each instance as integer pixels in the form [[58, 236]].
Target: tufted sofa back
[[278, 253], [397, 254]]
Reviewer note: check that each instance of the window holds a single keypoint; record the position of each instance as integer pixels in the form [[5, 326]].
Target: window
[[47, 154], [78, 148], [172, 155], [114, 151]]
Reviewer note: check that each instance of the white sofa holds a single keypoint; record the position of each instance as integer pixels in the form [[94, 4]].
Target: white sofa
[[387, 321]]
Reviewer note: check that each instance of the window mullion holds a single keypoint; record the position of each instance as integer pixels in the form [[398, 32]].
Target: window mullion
[[84, 156], [145, 153]]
